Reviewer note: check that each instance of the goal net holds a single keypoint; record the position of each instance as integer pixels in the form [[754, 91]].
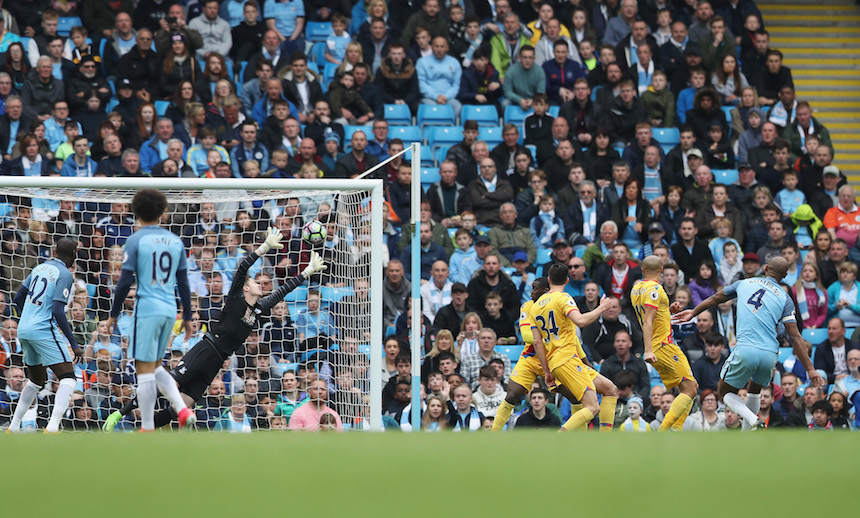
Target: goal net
[[323, 329]]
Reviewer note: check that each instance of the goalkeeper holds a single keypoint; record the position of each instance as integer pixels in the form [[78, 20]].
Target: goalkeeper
[[245, 302]]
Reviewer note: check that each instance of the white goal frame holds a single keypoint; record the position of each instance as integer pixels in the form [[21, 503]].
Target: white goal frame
[[373, 187]]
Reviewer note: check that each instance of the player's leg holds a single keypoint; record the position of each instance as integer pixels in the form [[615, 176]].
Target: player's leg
[[608, 401], [36, 377], [65, 372], [688, 388], [590, 407], [737, 372], [147, 392], [523, 376], [675, 371], [574, 376], [165, 382]]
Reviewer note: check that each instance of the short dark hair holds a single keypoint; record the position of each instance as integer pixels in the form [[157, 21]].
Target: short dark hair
[[402, 358], [540, 390], [446, 355], [148, 204], [488, 371], [625, 379], [67, 250], [823, 405], [715, 339], [557, 274]]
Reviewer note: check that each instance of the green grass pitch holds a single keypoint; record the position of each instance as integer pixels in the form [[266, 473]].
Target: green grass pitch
[[761, 474]]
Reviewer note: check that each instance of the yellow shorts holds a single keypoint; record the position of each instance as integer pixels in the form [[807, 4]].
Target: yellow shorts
[[574, 375], [672, 365], [527, 370]]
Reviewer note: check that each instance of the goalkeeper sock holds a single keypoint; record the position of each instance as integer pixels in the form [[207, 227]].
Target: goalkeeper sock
[[607, 413], [25, 400], [61, 403], [502, 416], [146, 394], [168, 388], [754, 403], [737, 405], [681, 406], [578, 420], [163, 417]]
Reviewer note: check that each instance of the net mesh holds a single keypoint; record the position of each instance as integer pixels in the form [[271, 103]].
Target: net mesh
[[321, 329]]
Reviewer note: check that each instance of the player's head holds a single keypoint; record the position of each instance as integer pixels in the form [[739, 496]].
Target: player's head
[[252, 289], [66, 250], [148, 205], [652, 266], [776, 268], [557, 274], [539, 287]]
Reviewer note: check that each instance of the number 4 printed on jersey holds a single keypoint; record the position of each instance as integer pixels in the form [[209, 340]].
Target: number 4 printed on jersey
[[755, 300]]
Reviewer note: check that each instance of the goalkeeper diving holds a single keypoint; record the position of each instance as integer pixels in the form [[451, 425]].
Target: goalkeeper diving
[[242, 308]]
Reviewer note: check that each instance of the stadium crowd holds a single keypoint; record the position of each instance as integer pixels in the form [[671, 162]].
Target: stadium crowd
[[617, 118]]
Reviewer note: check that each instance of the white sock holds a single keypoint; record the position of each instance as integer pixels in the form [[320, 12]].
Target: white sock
[[754, 403], [25, 400], [146, 394], [738, 406], [168, 388], [61, 403]]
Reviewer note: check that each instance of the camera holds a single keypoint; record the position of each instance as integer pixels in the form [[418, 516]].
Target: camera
[[171, 20]]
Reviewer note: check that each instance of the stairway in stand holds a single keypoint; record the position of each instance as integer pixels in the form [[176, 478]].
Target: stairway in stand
[[821, 44]]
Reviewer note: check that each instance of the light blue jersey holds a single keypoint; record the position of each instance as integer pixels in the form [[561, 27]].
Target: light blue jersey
[[155, 256], [762, 305], [50, 281]]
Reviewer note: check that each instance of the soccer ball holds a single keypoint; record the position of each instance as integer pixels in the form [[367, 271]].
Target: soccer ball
[[313, 232]]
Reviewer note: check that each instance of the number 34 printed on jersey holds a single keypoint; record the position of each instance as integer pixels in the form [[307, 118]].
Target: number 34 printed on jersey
[[755, 300], [548, 333]]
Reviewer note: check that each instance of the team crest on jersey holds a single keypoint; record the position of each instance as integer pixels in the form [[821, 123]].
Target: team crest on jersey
[[250, 317], [675, 357]]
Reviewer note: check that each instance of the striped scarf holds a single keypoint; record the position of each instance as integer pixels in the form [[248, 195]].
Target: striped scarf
[[802, 303], [828, 426], [638, 426]]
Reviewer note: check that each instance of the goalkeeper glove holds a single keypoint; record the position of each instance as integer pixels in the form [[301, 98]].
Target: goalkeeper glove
[[316, 265], [111, 421], [273, 240]]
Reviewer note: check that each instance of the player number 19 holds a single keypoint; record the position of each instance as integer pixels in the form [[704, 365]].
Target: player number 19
[[164, 263]]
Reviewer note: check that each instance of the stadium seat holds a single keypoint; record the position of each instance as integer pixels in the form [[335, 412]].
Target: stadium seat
[[439, 155], [554, 111], [318, 31], [161, 107], [814, 336], [667, 136], [113, 103], [516, 115], [728, 111], [725, 176], [408, 134], [511, 351], [435, 115], [784, 354], [330, 294], [397, 114], [317, 53], [426, 157], [390, 330], [483, 115], [849, 331], [278, 369], [533, 150], [666, 148], [443, 136], [299, 294], [66, 23], [329, 71], [492, 135], [543, 255], [430, 175], [348, 130]]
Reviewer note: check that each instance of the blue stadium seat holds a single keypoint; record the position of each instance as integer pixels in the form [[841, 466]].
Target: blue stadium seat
[[443, 136], [533, 150], [666, 148], [329, 294], [66, 23], [299, 294], [451, 232], [318, 31], [543, 255], [329, 71], [430, 175], [725, 176], [347, 135], [317, 53], [426, 157], [510, 270], [516, 115], [511, 351], [313, 67], [784, 354], [161, 107], [728, 111], [390, 330], [439, 155], [113, 103], [554, 111], [408, 134], [667, 136], [397, 114], [278, 369], [483, 115], [492, 135], [435, 115], [814, 336], [849, 331]]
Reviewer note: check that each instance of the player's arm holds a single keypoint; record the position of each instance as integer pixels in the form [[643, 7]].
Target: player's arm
[[117, 415], [126, 279], [648, 333], [273, 240], [815, 379], [723, 294], [586, 319], [540, 352], [21, 295], [315, 265]]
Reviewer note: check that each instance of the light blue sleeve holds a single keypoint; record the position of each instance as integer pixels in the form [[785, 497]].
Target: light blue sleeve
[[731, 290], [183, 262], [788, 314], [129, 256], [63, 287]]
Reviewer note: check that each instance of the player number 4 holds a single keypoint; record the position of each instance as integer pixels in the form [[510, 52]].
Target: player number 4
[[755, 299]]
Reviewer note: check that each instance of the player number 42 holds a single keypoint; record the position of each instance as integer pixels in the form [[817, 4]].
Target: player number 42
[[755, 300]]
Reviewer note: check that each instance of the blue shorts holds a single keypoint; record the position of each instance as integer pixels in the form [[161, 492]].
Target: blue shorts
[[746, 364], [45, 352], [150, 336]]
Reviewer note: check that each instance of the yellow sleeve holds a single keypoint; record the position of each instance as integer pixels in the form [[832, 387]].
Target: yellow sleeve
[[526, 326]]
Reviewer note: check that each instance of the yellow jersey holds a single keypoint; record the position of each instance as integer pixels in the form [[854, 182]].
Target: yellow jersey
[[651, 294], [526, 324], [549, 315]]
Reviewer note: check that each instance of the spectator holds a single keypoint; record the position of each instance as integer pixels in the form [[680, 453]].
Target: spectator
[[707, 368], [718, 44], [488, 193], [472, 362], [600, 336], [356, 161], [439, 76], [561, 72], [689, 252], [843, 297], [43, 90], [659, 101], [772, 78], [507, 45], [580, 114], [619, 274], [805, 125], [687, 96], [632, 214], [841, 220], [552, 32], [462, 414], [831, 354], [508, 237], [445, 207], [489, 394], [635, 62], [174, 23], [450, 317], [671, 55], [620, 26], [802, 414], [491, 278], [624, 360], [537, 415], [395, 291], [288, 22], [472, 262], [308, 416], [247, 31], [396, 77], [707, 419], [547, 149], [429, 18], [523, 80], [504, 154], [595, 253], [431, 253]]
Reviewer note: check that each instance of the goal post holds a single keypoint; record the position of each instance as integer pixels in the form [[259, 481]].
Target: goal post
[[353, 209]]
